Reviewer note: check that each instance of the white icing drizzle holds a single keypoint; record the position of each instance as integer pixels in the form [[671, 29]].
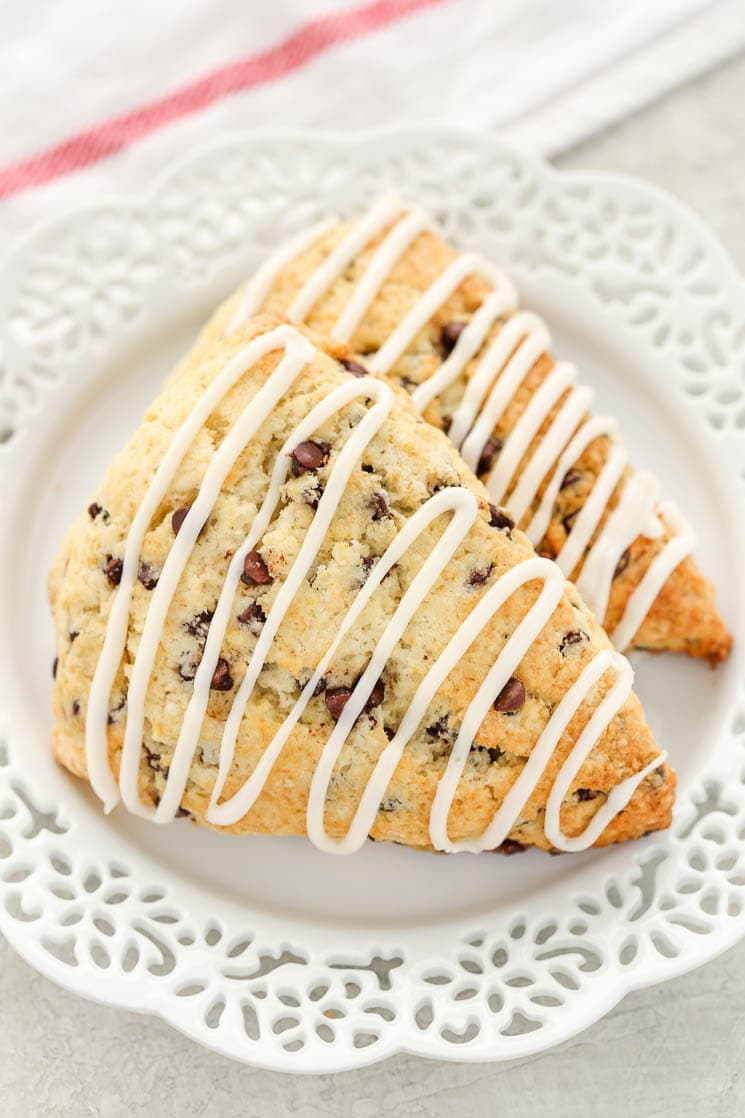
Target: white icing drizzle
[[601, 717], [377, 271], [656, 575], [463, 509], [340, 257], [635, 507], [428, 304], [561, 377], [592, 510], [501, 670], [496, 303], [588, 432], [259, 286], [548, 450]]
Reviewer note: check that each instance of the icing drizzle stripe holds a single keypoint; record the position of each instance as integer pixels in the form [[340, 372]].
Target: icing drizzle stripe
[[260, 284], [340, 257]]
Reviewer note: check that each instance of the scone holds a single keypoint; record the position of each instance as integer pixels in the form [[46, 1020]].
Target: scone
[[448, 329], [291, 609]]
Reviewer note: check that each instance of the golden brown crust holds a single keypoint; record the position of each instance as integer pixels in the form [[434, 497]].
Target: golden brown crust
[[684, 617]]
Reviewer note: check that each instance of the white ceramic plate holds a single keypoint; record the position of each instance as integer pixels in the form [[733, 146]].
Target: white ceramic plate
[[265, 949]]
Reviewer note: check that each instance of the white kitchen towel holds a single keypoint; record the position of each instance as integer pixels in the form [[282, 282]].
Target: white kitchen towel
[[96, 96]]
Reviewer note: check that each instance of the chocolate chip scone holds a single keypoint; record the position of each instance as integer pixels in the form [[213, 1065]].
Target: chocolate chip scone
[[448, 329], [290, 609]]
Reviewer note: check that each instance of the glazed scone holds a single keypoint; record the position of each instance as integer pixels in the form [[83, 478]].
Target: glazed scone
[[266, 583], [448, 330]]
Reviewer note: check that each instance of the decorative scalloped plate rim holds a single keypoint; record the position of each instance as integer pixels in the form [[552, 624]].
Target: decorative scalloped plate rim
[[128, 926]]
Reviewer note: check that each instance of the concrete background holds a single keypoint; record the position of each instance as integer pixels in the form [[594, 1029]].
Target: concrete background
[[675, 1050]]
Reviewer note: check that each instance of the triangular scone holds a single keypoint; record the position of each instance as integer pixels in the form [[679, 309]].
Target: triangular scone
[[448, 329], [288, 592]]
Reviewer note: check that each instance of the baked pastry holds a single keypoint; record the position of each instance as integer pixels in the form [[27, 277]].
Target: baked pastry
[[290, 608], [448, 329]]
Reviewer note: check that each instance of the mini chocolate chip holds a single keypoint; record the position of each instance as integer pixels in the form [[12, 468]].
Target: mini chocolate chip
[[319, 688], [622, 563], [154, 761], [379, 506], [366, 563], [509, 846], [55, 665], [94, 509], [147, 576], [113, 570], [75, 707], [511, 698], [570, 478], [111, 718], [199, 624], [73, 635], [354, 368], [178, 518], [309, 456], [450, 333], [444, 483], [253, 616], [255, 570], [367, 468], [569, 519], [222, 680], [336, 700], [440, 729], [500, 519], [584, 794], [182, 813], [479, 577], [312, 497], [573, 637], [187, 669], [493, 754], [491, 449], [389, 732], [376, 696]]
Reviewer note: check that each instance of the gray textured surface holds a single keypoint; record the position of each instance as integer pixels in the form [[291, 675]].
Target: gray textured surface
[[674, 1050]]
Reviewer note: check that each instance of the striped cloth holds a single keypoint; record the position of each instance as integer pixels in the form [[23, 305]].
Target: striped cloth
[[98, 95]]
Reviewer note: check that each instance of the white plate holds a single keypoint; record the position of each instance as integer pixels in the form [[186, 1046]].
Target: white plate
[[265, 949]]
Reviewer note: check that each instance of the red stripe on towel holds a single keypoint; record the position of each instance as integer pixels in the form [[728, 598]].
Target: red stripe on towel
[[310, 40]]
